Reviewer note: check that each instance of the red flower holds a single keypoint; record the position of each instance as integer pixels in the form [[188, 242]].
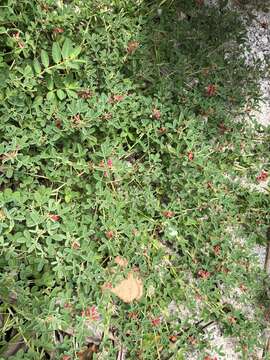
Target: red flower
[[173, 338], [210, 358], [133, 315], [168, 214], [67, 306], [190, 156], [66, 357], [243, 287], [203, 274], [223, 128], [162, 130], [209, 185], [110, 163], [132, 46], [211, 90], [192, 340], [156, 321], [54, 217], [200, 2], [85, 94], [58, 30], [107, 286], [156, 114], [232, 320], [216, 249], [58, 123], [116, 98], [91, 313], [109, 234], [263, 176]]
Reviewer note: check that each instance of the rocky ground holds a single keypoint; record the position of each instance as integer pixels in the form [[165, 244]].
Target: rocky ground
[[257, 49]]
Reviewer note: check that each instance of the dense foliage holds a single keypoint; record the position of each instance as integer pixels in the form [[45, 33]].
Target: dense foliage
[[118, 138]]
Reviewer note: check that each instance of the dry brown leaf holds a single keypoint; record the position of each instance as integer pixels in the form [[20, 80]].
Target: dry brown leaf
[[129, 289], [121, 261]]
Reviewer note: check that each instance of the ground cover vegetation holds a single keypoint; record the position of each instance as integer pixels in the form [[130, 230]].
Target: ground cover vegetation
[[121, 167]]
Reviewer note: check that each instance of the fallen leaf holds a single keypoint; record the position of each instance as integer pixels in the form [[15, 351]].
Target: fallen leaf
[[121, 261], [129, 289]]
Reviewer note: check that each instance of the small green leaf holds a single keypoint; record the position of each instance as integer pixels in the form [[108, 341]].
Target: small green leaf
[[51, 96], [71, 93], [73, 65], [37, 66], [56, 53], [67, 49], [61, 94], [28, 71], [45, 58], [75, 52], [50, 83]]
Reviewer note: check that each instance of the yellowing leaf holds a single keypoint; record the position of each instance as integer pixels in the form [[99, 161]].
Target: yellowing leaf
[[2, 215], [129, 289]]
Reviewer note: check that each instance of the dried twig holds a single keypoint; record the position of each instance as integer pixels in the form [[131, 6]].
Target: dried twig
[[14, 346], [121, 353]]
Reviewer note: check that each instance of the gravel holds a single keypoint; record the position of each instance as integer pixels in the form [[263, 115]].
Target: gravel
[[256, 49]]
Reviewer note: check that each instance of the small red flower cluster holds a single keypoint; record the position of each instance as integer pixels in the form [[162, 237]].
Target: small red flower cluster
[[232, 320], [91, 313], [190, 156], [211, 90], [110, 163], [109, 234], [263, 176], [156, 321], [216, 249], [58, 30], [168, 214], [66, 357], [173, 338], [85, 94], [203, 274], [132, 46], [156, 114], [116, 98], [54, 217]]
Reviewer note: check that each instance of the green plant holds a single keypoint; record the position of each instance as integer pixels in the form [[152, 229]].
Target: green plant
[[118, 139]]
